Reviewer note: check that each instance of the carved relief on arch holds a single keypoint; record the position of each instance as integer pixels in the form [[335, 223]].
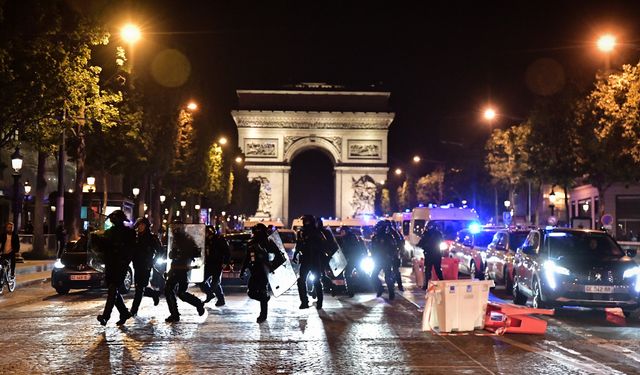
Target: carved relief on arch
[[295, 144]]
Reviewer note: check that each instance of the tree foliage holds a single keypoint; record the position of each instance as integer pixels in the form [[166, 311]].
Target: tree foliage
[[430, 188]]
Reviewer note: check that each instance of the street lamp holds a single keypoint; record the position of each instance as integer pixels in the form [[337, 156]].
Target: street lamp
[[222, 141], [27, 188], [136, 192], [606, 43], [16, 164], [416, 159], [130, 33], [552, 201], [239, 159], [192, 106], [183, 204], [91, 181], [507, 204], [197, 207], [489, 114], [398, 171], [163, 198]]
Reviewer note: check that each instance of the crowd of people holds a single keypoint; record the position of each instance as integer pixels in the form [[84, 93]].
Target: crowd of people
[[315, 247]]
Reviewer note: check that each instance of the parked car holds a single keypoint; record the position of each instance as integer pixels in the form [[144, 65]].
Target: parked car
[[78, 268], [470, 247], [576, 267], [500, 254]]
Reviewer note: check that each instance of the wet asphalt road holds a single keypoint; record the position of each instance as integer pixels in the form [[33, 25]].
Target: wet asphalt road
[[43, 333]]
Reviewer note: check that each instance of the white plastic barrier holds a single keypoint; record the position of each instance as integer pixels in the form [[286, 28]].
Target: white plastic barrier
[[456, 305]]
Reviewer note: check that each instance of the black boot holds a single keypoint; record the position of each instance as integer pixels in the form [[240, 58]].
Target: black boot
[[263, 312]]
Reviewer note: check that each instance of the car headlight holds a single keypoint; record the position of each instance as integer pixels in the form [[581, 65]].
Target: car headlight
[[550, 271], [58, 264], [631, 272], [367, 264], [444, 246], [161, 260], [312, 277], [407, 246]]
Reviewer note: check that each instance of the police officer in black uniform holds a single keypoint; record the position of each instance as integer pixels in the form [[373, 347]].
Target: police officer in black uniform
[[309, 252], [397, 261], [118, 247], [383, 250], [257, 262], [218, 254], [147, 247], [183, 251], [354, 250], [430, 243]]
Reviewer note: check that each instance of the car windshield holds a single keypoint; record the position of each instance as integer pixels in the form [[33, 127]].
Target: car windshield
[[484, 238], [405, 227], [450, 228], [418, 226], [517, 239], [582, 245], [288, 237]]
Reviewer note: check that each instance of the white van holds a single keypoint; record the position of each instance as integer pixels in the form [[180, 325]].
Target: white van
[[448, 220], [248, 224]]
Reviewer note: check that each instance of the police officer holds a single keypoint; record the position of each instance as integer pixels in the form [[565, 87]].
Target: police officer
[[257, 262], [183, 251], [118, 246], [354, 250], [147, 247], [309, 252], [430, 243], [397, 260], [383, 250], [218, 254]]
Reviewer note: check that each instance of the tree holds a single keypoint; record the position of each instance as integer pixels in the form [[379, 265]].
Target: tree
[[219, 178], [403, 196], [554, 141], [507, 157], [385, 201], [430, 188]]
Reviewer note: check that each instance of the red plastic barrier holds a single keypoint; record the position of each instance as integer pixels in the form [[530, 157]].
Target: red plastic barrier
[[508, 318], [449, 269]]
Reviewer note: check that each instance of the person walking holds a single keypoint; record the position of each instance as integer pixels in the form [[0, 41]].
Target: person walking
[[309, 252], [257, 262], [430, 244], [354, 250], [182, 254], [397, 260], [383, 250], [61, 237], [9, 246], [147, 247], [218, 255], [119, 242]]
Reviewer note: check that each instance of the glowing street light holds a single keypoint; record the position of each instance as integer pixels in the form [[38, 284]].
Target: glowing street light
[[489, 114], [163, 198], [223, 141], [398, 171], [130, 33], [197, 207], [239, 159], [192, 106], [416, 159], [507, 204], [91, 180], [136, 192], [606, 43], [183, 204], [27, 187]]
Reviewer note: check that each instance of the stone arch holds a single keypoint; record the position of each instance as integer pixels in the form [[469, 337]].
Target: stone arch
[[300, 144]]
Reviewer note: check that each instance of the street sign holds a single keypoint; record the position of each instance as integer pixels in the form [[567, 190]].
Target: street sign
[[506, 217], [607, 219]]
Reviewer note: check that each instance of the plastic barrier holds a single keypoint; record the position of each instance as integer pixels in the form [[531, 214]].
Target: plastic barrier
[[449, 269], [456, 305], [509, 318]]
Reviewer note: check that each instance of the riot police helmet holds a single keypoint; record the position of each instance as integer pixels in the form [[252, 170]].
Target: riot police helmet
[[118, 216]]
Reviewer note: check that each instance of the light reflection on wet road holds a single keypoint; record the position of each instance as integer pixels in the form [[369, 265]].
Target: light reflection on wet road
[[50, 334]]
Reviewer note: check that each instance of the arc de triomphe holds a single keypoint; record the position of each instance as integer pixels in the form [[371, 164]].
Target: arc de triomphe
[[349, 126]]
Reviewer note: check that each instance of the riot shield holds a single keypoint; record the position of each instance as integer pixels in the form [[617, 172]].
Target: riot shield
[[283, 277], [194, 236], [337, 263]]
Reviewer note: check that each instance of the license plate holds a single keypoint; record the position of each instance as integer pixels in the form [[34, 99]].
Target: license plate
[[80, 277], [598, 289], [338, 282]]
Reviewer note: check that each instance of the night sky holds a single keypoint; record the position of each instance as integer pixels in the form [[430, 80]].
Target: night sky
[[442, 61]]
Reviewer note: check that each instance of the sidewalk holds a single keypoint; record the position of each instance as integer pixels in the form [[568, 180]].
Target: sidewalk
[[33, 271]]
